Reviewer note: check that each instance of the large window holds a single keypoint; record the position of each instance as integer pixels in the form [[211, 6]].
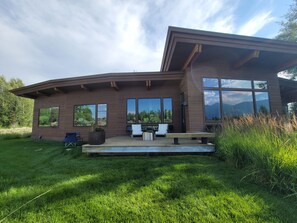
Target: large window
[[234, 98], [84, 115], [48, 117], [149, 110]]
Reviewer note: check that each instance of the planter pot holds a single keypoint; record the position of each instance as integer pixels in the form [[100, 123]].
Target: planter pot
[[96, 138]]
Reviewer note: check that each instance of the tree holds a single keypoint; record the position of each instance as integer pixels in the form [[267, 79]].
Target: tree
[[14, 111], [288, 32]]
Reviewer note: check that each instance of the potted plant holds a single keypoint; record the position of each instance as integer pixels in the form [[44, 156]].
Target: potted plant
[[96, 136]]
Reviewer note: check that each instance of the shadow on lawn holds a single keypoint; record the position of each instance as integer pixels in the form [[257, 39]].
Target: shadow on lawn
[[174, 177]]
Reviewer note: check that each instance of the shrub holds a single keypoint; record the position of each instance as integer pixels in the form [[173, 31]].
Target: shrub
[[265, 146]]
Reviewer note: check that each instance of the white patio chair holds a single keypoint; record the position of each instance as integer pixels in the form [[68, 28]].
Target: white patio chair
[[162, 130], [136, 130]]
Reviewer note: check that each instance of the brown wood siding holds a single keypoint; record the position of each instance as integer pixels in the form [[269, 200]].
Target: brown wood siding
[[116, 106], [222, 69]]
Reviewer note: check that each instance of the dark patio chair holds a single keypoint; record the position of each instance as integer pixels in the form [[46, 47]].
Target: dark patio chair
[[70, 139]]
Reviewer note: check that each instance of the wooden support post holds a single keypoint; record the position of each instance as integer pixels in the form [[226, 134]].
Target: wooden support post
[[197, 50], [114, 85], [82, 86], [148, 85], [60, 90], [239, 63], [42, 93]]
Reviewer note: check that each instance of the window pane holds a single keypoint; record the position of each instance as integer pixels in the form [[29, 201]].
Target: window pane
[[84, 115], [260, 84], [167, 112], [131, 110], [102, 114], [210, 82], [212, 105], [262, 102], [48, 117], [237, 103], [228, 83], [149, 110]]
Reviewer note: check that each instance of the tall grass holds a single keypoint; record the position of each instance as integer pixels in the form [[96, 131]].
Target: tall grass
[[15, 133], [265, 146]]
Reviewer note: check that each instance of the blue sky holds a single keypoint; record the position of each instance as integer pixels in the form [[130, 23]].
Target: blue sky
[[42, 40]]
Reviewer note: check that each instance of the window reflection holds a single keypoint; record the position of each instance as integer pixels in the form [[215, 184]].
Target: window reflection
[[149, 110], [131, 110], [262, 102], [84, 115], [167, 110], [237, 103], [210, 82], [48, 117], [260, 84], [212, 105], [228, 83], [102, 114]]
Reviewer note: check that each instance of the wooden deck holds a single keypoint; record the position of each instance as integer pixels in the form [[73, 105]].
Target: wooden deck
[[125, 145]]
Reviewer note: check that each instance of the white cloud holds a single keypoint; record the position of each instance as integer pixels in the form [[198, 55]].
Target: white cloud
[[256, 23], [56, 39]]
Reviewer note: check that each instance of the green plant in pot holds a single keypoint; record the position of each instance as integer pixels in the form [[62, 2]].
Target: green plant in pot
[[96, 135]]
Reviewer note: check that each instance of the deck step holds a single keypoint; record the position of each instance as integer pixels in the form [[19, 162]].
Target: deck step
[[147, 150]]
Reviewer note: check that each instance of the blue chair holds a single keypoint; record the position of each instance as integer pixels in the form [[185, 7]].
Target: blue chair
[[70, 139]]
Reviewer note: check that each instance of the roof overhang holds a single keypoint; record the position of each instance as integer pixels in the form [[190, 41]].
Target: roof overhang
[[239, 50], [288, 89], [93, 82]]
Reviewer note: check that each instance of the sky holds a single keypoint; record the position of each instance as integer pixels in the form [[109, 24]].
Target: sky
[[44, 40]]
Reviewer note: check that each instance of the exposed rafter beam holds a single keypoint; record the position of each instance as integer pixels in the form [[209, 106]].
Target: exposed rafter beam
[[114, 85], [253, 55], [287, 65], [82, 86], [197, 50], [42, 93], [60, 90], [148, 84]]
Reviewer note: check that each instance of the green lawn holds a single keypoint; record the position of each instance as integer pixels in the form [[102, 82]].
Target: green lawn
[[77, 188]]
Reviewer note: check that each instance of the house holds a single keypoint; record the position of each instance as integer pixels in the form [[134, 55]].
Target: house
[[204, 77]]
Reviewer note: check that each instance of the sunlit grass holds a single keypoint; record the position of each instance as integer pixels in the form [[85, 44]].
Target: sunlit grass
[[62, 186], [266, 147], [15, 133]]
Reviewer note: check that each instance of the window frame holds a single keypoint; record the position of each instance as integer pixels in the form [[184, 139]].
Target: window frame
[[220, 89], [137, 110], [50, 126], [96, 115]]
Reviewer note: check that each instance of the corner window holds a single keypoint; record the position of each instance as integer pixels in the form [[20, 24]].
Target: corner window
[[102, 115], [234, 98], [48, 117], [84, 115]]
